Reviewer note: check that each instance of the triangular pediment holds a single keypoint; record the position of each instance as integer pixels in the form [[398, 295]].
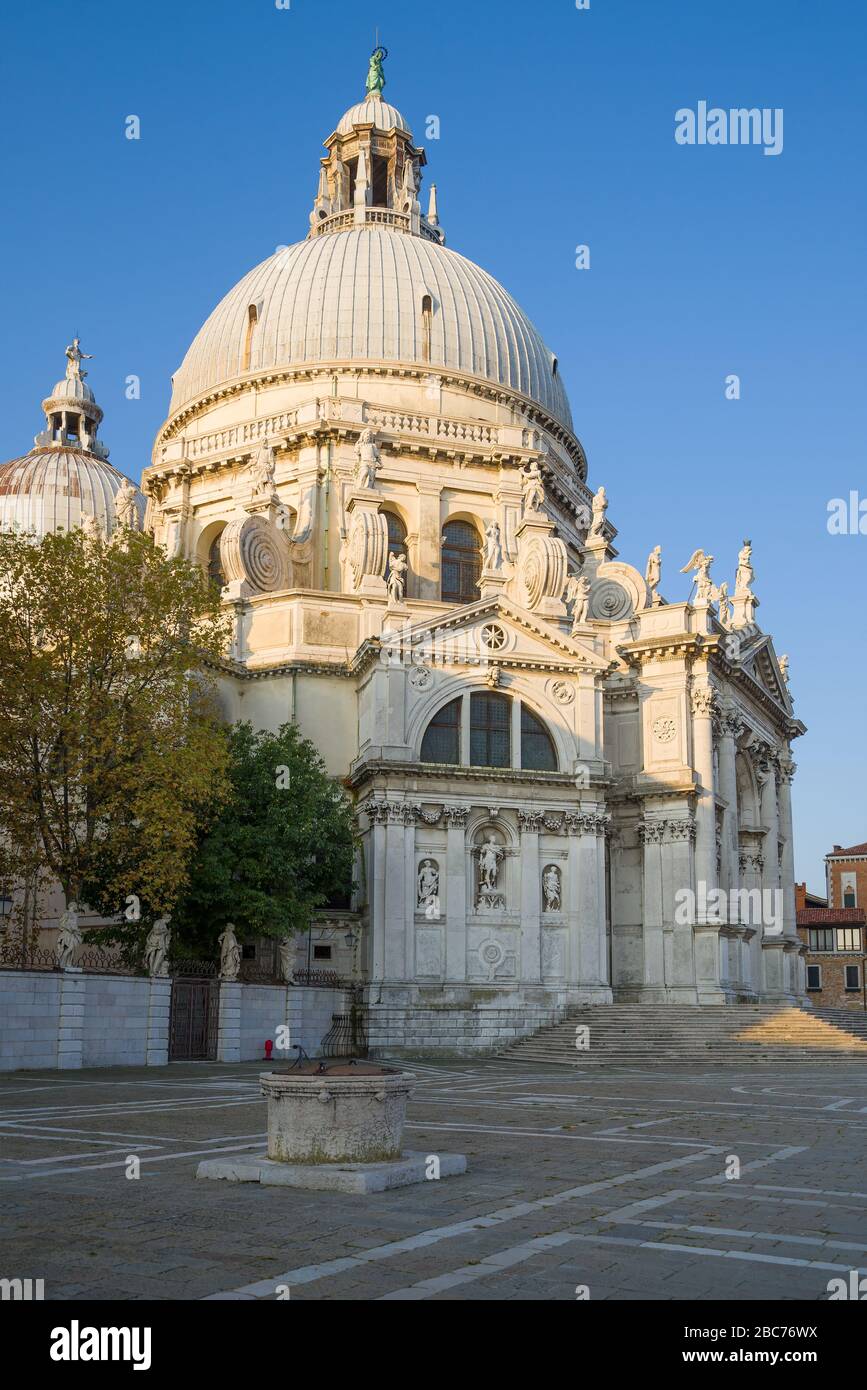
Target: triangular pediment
[[528, 638], [760, 662]]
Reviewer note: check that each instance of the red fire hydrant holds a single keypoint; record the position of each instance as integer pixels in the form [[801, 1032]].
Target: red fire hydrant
[[269, 1047]]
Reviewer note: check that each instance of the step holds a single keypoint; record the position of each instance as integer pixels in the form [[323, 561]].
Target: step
[[694, 1034]]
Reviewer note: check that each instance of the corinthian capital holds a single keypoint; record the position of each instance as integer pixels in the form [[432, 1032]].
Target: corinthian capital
[[704, 702]]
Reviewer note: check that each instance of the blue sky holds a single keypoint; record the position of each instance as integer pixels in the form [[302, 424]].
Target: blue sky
[[557, 128]]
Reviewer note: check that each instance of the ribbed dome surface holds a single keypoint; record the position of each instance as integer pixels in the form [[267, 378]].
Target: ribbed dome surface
[[50, 490], [373, 111], [72, 388], [357, 296]]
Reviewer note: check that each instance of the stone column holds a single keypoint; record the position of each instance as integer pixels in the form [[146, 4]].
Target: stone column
[[651, 834], [159, 1013], [705, 813], [730, 727], [773, 964], [398, 966], [456, 893], [588, 859], [377, 812], [787, 868], [751, 861], [572, 900], [529, 823], [429, 543]]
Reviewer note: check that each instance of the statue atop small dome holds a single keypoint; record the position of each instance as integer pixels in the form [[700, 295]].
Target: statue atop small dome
[[74, 358], [375, 73]]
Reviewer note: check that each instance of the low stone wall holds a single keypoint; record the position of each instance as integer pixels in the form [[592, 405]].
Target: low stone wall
[[250, 1014], [452, 1030], [115, 1021], [76, 1019], [29, 1019]]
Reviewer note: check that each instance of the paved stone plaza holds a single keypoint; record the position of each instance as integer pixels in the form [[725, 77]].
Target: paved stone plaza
[[613, 1179]]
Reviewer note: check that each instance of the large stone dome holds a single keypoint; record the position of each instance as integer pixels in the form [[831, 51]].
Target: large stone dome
[[357, 296]]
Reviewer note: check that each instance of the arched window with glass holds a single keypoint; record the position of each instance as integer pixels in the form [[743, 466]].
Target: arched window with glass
[[215, 564], [396, 535], [442, 738], [485, 728], [537, 747], [461, 562]]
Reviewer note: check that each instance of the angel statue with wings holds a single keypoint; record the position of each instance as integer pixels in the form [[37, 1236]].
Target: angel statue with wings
[[700, 564]]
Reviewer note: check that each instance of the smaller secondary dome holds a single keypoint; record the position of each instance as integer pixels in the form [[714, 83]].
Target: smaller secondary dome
[[66, 480], [373, 111], [72, 388], [54, 489]]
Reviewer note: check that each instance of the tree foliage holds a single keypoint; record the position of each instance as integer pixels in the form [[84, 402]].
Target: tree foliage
[[280, 847], [111, 751]]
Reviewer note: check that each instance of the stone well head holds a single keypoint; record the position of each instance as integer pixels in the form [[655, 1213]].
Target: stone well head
[[341, 1111]]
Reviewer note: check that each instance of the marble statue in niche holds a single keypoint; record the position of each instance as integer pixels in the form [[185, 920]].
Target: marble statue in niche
[[428, 887], [551, 889], [491, 855]]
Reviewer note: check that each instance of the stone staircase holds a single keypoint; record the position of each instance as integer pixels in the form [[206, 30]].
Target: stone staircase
[[679, 1035]]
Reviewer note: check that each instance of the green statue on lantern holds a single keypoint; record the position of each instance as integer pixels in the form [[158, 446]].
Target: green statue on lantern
[[375, 74]]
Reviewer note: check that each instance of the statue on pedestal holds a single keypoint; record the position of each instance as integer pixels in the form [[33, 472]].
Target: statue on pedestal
[[262, 471], [90, 527], [74, 359], [700, 564], [125, 509], [396, 580], [577, 593], [745, 574], [69, 934], [288, 954], [493, 547], [532, 487], [600, 507], [653, 572], [157, 947], [230, 954], [369, 459]]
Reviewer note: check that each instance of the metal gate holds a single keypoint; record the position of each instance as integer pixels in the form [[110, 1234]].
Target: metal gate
[[195, 1016]]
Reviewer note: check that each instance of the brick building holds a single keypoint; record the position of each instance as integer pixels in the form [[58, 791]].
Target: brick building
[[834, 938], [846, 876]]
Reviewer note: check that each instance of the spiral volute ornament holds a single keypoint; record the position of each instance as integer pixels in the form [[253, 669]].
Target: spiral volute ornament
[[253, 550]]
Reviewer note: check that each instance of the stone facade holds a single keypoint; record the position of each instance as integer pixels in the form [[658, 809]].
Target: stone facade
[[555, 807]]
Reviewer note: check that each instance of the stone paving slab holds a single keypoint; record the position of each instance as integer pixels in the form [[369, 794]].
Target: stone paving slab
[[613, 1180]]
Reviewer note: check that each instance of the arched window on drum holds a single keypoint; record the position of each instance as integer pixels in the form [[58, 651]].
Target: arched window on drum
[[461, 562], [215, 564]]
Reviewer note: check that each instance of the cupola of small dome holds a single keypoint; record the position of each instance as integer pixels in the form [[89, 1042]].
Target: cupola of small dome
[[372, 173], [72, 416], [66, 481]]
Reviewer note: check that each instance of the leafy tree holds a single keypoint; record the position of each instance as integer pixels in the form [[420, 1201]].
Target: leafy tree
[[111, 751], [280, 847]]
